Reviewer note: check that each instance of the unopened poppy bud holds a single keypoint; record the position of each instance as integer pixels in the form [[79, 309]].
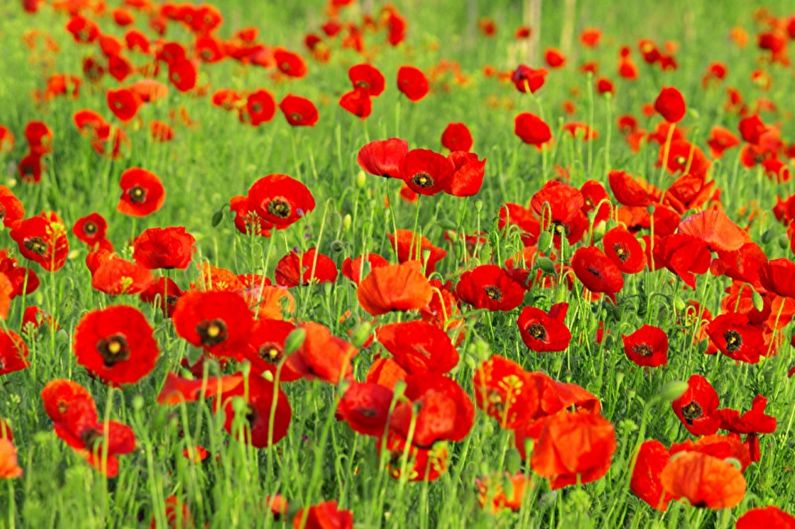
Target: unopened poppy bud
[[138, 402], [546, 264], [337, 246], [347, 220], [218, 216], [783, 241], [768, 236], [679, 304], [480, 348], [361, 179], [561, 295], [759, 302], [239, 406], [545, 240], [650, 208], [294, 341], [599, 231], [447, 224], [478, 205], [673, 390], [361, 333]]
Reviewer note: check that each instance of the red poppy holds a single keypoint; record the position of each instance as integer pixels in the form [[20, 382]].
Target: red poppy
[[322, 355], [648, 346], [357, 102], [489, 287], [684, 157], [752, 423], [531, 129], [632, 191], [289, 63], [778, 276], [218, 321], [91, 229], [310, 267], [299, 111], [505, 392], [383, 157], [176, 389], [574, 448], [684, 255], [124, 103], [115, 276], [596, 271], [703, 480], [280, 200], [166, 248], [116, 344], [82, 29], [13, 352], [260, 107], [650, 461], [697, 407], [468, 173], [456, 137], [410, 246], [716, 229], [624, 250], [554, 58], [9, 466], [412, 83], [394, 288], [419, 347], [766, 517], [670, 104], [266, 349], [142, 193], [11, 208], [526, 78], [266, 405], [246, 219], [357, 269], [326, 515], [737, 337], [42, 239], [164, 293], [426, 172], [367, 78], [365, 407], [544, 332], [161, 131], [57, 396], [720, 140], [30, 168]]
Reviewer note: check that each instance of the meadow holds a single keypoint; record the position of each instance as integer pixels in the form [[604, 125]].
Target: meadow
[[410, 265]]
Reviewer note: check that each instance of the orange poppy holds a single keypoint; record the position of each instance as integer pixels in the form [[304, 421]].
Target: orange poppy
[[703, 480], [394, 287]]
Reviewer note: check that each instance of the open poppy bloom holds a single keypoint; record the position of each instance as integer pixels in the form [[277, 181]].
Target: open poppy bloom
[[778, 276], [468, 174], [383, 157], [289, 63], [322, 355], [58, 396], [766, 517], [703, 480], [322, 516], [410, 246], [489, 287], [260, 107], [418, 347], [596, 271], [177, 389], [426, 172], [91, 229], [262, 400], [218, 321], [528, 79], [124, 103], [697, 407], [11, 208], [456, 137], [142, 193], [166, 248], [624, 250], [266, 349], [42, 239], [365, 407], [648, 346], [650, 461], [307, 268], [737, 337], [13, 352], [116, 344], [357, 268], [367, 78], [280, 200], [9, 467], [357, 102], [505, 392], [545, 332], [412, 83], [751, 423], [299, 111]]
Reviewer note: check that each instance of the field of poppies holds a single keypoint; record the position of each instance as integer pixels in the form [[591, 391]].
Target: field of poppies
[[334, 264]]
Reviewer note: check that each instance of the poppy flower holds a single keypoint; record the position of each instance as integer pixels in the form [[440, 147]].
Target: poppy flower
[[9, 467], [703, 480], [554, 58], [115, 276], [505, 392], [280, 200], [670, 104], [59, 394], [544, 332], [176, 389], [684, 157], [164, 293], [574, 448], [763, 517], [502, 492], [647, 347], [426, 172], [489, 287], [560, 208], [298, 111], [778, 276], [91, 229], [142, 193], [596, 271], [456, 137], [11, 208], [30, 168], [83, 30], [356, 269], [412, 83], [467, 176], [166, 248], [684, 255], [418, 347], [716, 229], [260, 107], [218, 321], [289, 63], [531, 129], [247, 220], [124, 103], [697, 407], [266, 349], [263, 401], [526, 78], [324, 515], [322, 355], [383, 157], [310, 267], [13, 352], [42, 239], [367, 78], [439, 410], [116, 344], [624, 250], [651, 459], [23, 280], [365, 407], [737, 337], [357, 102], [410, 246], [390, 288]]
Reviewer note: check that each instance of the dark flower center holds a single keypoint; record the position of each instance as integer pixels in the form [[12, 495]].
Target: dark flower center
[[279, 207], [285, 66], [256, 108], [537, 331], [733, 341], [423, 180], [621, 252], [295, 116], [137, 194], [642, 349], [270, 352], [91, 438], [212, 332], [36, 245], [113, 349], [90, 228], [493, 293], [691, 412], [362, 84]]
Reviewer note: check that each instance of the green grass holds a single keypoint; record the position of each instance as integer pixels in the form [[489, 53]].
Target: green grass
[[320, 458]]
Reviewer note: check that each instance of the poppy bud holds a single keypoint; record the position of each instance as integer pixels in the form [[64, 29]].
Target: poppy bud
[[218, 216], [599, 231], [337, 246], [759, 302], [768, 235], [361, 179], [294, 341], [783, 241], [544, 240], [478, 205], [545, 264], [361, 333], [347, 220], [673, 390], [447, 224], [138, 403], [679, 304]]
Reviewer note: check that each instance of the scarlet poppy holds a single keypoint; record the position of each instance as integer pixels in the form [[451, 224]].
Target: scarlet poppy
[[124, 103], [247, 220], [9, 466], [280, 200], [266, 349], [574, 448], [764, 517], [412, 83], [410, 246], [30, 168], [166, 248], [419, 347], [716, 229], [356, 269], [365, 407], [218, 321], [647, 346], [367, 78], [289, 63], [554, 58], [697, 407], [468, 174], [489, 287], [91, 229], [13, 352], [526, 78], [23, 280], [456, 137], [596, 271], [322, 355], [176, 389], [624, 250], [651, 459], [545, 331], [383, 157], [299, 111], [324, 515], [778, 276], [83, 30], [426, 172], [164, 293], [737, 337], [531, 129], [684, 157], [703, 480], [116, 344], [260, 107], [394, 287], [670, 104], [263, 400], [142, 193], [59, 394], [42, 239], [357, 102], [505, 392], [296, 269], [684, 255]]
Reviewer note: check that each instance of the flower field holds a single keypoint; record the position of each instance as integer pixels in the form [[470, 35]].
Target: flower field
[[338, 264]]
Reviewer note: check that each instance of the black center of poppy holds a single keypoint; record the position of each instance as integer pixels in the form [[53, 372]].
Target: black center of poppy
[[137, 194], [621, 252], [295, 116], [256, 108], [251, 416], [212, 332], [90, 228], [285, 66], [91, 438], [642, 349], [423, 180], [362, 84], [279, 207], [270, 352], [733, 341], [537, 331], [692, 411], [493, 293], [113, 349], [36, 245]]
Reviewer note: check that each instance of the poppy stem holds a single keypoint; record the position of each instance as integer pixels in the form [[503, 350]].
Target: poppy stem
[[666, 150]]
